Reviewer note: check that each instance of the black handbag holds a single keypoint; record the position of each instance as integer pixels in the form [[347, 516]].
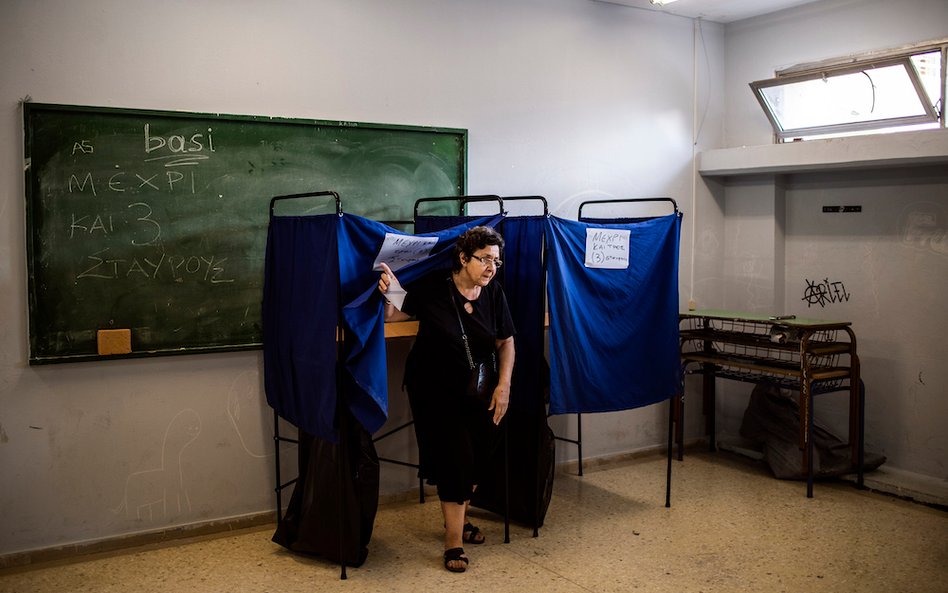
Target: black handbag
[[480, 385]]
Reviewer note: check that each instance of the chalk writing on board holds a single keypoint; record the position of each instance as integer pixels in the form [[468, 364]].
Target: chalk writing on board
[[821, 293], [123, 181], [400, 250], [174, 150], [104, 224], [148, 222], [160, 266], [90, 224], [83, 146], [182, 150], [607, 248]]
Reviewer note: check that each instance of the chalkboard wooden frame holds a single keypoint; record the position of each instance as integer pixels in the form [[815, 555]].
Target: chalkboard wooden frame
[[155, 221]]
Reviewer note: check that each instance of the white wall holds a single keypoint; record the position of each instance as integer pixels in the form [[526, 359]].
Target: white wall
[[569, 99], [892, 262], [891, 258]]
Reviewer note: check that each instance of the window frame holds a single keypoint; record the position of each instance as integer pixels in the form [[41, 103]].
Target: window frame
[[855, 64]]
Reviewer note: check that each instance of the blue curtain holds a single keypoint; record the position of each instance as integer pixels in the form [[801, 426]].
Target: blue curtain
[[300, 314], [522, 278], [613, 333], [528, 487], [366, 371]]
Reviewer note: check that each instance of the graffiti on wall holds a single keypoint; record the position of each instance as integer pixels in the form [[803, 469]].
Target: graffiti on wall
[[824, 292]]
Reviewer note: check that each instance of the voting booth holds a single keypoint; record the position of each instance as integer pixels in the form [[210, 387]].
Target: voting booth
[[611, 289]]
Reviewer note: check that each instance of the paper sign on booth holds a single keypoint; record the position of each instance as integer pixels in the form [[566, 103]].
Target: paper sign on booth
[[400, 250], [607, 248]]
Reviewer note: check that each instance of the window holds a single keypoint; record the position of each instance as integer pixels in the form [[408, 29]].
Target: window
[[882, 92]]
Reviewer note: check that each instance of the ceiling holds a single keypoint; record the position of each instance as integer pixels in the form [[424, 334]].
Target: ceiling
[[719, 11]]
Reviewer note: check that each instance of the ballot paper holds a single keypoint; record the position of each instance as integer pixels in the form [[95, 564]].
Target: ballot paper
[[395, 294]]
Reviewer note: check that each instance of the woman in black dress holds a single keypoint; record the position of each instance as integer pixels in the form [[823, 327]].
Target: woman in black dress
[[455, 433]]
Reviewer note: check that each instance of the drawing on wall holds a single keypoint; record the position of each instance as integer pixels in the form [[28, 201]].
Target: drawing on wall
[[242, 398], [922, 226], [756, 289], [823, 292], [161, 493]]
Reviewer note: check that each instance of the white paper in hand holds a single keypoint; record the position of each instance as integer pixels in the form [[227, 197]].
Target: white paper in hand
[[395, 294]]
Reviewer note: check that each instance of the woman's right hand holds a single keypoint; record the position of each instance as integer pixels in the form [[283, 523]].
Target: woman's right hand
[[385, 280]]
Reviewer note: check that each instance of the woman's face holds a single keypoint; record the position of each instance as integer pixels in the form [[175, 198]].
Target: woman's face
[[481, 267]]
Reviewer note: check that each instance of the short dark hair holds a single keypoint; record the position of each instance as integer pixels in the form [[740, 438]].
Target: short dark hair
[[471, 240]]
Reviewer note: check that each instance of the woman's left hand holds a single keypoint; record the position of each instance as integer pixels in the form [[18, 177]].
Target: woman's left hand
[[501, 399], [500, 402]]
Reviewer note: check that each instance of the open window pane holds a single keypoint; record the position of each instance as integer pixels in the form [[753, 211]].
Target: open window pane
[[869, 95], [893, 92]]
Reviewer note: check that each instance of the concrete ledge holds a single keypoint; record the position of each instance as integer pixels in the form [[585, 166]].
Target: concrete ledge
[[924, 147]]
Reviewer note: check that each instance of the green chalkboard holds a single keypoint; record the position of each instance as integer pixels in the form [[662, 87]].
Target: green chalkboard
[[156, 221]]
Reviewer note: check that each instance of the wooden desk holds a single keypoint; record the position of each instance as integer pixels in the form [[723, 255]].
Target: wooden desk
[[810, 356], [408, 329], [401, 329]]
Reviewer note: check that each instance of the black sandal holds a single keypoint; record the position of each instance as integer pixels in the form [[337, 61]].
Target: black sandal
[[455, 555], [470, 535]]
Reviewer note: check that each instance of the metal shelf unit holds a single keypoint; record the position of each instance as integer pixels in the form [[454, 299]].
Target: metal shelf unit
[[809, 356]]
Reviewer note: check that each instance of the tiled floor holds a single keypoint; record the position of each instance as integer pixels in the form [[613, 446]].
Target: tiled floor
[[731, 528]]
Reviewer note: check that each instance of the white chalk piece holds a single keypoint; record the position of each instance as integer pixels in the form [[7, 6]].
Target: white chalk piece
[[607, 248], [400, 250]]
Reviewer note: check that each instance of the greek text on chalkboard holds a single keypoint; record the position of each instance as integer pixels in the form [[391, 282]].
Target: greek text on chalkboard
[[171, 152]]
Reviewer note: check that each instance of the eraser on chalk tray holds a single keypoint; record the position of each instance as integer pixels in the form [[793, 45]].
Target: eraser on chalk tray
[[114, 341]]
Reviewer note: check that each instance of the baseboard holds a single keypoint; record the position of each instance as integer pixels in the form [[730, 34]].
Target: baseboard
[[908, 485], [157, 538], [885, 479]]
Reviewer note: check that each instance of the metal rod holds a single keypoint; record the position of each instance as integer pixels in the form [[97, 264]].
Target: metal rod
[[276, 446], [397, 462], [579, 441], [506, 488], [627, 200], [462, 200], [668, 470], [276, 199]]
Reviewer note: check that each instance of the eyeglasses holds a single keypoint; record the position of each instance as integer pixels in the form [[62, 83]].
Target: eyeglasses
[[488, 261]]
